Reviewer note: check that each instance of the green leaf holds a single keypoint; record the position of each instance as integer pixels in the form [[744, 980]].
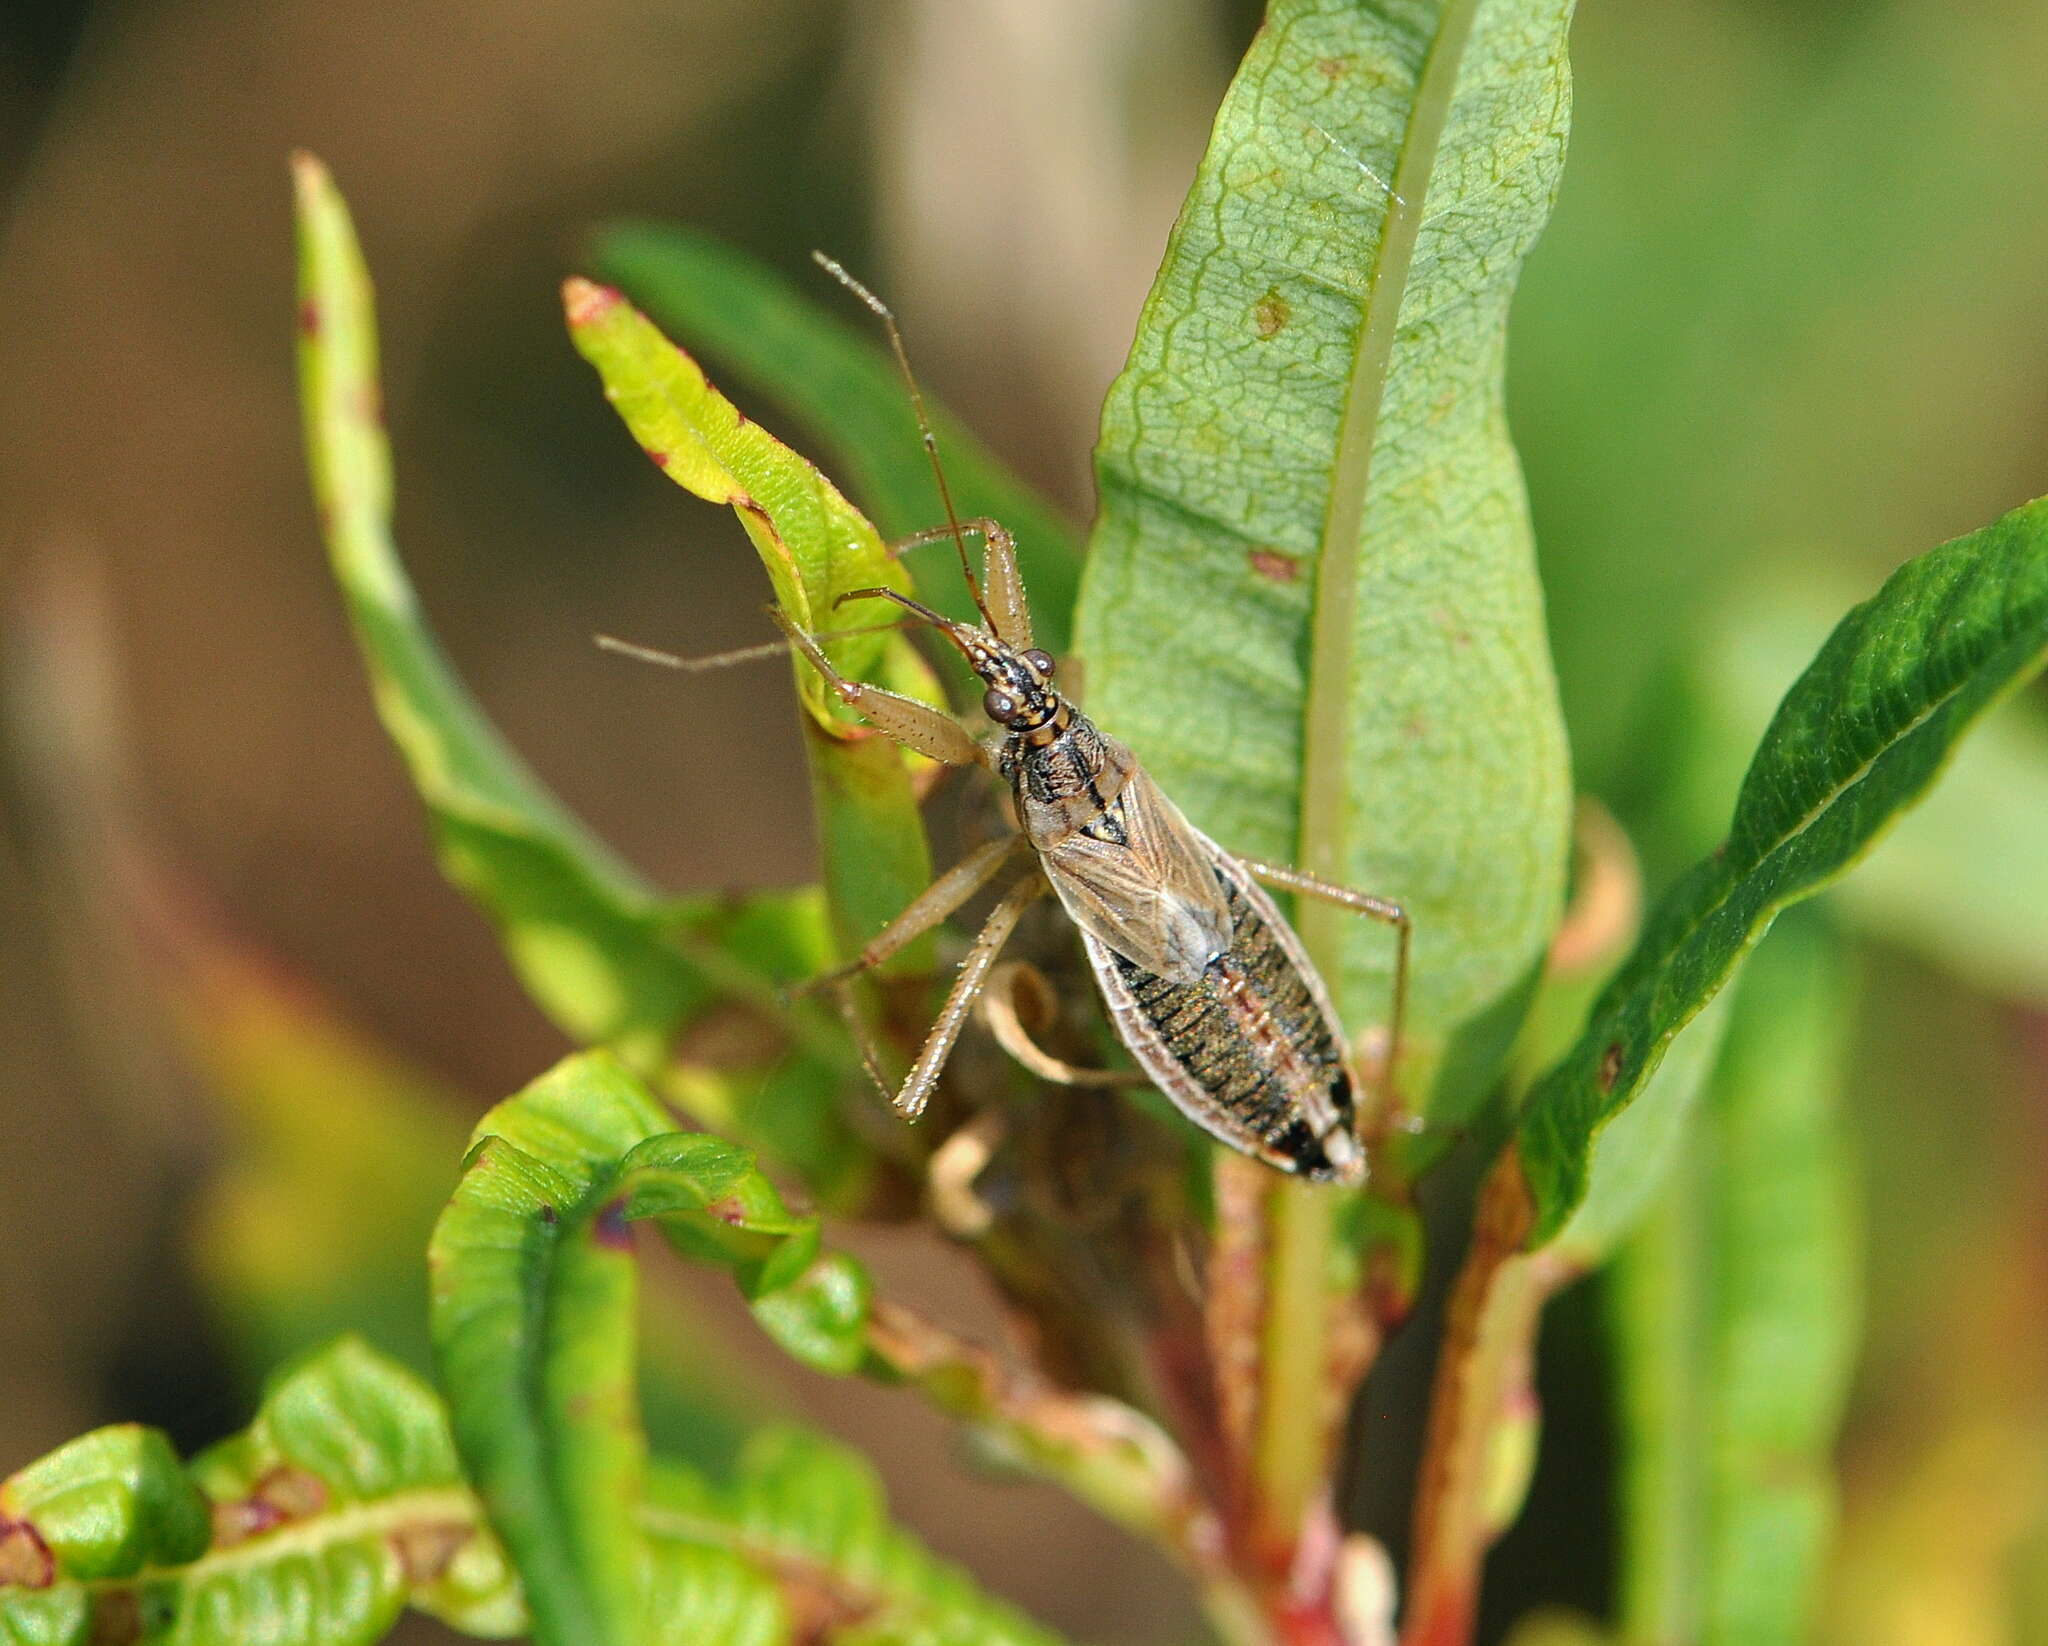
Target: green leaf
[[1311, 603], [1638, 1152], [1960, 881], [845, 389], [815, 547], [1735, 1317], [605, 956], [587, 936], [535, 1290], [1859, 737], [812, 1513], [339, 1504], [109, 1504]]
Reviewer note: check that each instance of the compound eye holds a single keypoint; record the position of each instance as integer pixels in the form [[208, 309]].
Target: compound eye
[[998, 704], [1041, 661]]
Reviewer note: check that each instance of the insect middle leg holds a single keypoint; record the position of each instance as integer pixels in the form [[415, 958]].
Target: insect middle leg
[[926, 910], [1382, 909], [974, 969]]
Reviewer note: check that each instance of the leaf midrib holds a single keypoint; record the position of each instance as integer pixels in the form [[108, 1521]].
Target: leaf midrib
[[878, 1603], [373, 1517], [1325, 793]]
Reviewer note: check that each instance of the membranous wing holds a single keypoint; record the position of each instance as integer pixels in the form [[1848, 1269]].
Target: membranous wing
[[1142, 881]]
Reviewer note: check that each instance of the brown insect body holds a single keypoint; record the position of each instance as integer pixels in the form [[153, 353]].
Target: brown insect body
[[1206, 983]]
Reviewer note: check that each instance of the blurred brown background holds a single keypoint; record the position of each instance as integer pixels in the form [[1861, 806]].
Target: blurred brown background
[[1791, 316]]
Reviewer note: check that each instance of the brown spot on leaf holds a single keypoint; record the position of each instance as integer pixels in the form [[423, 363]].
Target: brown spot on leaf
[[658, 458], [281, 1496], [1334, 69], [116, 1618], [820, 1606], [1276, 566], [585, 301], [309, 318], [1610, 1067], [549, 1215], [727, 1209], [612, 1231], [1271, 314], [298, 1493], [424, 1551], [243, 1518], [25, 1559]]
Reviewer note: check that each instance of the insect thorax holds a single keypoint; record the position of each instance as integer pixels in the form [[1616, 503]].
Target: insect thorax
[[1067, 784]]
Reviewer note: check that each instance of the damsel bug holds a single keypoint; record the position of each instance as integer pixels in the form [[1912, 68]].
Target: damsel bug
[[1206, 983]]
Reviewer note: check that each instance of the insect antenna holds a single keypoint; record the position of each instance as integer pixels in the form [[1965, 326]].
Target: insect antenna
[[723, 660], [924, 423]]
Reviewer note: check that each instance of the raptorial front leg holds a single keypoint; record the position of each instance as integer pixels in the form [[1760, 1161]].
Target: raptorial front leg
[[926, 910], [981, 955], [931, 732], [1382, 909]]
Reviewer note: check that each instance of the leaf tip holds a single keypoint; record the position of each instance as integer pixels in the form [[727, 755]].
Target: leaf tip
[[585, 302], [311, 180]]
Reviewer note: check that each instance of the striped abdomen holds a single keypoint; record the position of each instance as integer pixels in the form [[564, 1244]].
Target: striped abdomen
[[1250, 1051]]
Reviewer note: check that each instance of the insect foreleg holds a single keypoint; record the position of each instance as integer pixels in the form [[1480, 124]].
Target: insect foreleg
[[915, 725], [1382, 909], [1002, 587], [981, 955], [926, 910]]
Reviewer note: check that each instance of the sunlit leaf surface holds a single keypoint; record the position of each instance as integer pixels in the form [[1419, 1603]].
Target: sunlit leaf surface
[[1311, 600]]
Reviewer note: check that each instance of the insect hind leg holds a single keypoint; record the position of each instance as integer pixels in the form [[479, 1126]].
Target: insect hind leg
[[1384, 910]]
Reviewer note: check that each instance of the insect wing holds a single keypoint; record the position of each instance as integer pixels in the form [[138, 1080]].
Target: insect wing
[[1320, 1109], [1151, 896]]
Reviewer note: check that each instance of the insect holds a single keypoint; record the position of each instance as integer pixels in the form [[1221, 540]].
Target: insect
[[1205, 982]]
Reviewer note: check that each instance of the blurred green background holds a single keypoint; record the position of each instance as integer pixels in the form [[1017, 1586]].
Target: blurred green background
[[1789, 327]]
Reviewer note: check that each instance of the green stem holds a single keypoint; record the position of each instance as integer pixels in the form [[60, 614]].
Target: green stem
[[1292, 1460]]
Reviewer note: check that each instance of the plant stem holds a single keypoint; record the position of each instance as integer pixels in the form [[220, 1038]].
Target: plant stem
[[1109, 1455], [1292, 1442], [1482, 1383]]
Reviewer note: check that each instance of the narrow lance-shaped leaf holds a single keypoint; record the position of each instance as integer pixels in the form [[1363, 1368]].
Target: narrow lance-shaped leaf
[[1859, 737], [1311, 602], [583, 930], [850, 396], [815, 547], [603, 954], [338, 1506], [534, 1318], [1960, 880]]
